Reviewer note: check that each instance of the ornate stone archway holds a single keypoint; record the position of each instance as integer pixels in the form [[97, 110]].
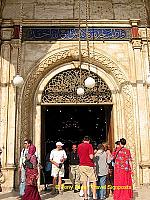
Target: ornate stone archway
[[62, 89], [66, 56]]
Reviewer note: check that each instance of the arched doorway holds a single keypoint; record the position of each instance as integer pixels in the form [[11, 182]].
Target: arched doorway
[[56, 62], [67, 117]]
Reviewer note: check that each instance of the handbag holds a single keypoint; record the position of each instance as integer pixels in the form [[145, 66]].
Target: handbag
[[112, 163], [48, 166], [28, 164]]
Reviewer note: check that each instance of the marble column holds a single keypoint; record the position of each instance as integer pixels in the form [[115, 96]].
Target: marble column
[[7, 122], [141, 105], [5, 82], [8, 111]]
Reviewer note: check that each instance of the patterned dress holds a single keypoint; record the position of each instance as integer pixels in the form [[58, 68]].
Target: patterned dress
[[122, 175], [31, 190]]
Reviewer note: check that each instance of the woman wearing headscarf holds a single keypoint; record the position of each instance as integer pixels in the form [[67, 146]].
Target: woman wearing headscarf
[[31, 190], [122, 172]]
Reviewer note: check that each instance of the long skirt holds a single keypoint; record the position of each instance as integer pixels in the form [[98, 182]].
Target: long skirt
[[31, 189], [31, 193], [122, 185]]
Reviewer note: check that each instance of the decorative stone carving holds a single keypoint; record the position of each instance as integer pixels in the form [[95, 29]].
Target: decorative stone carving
[[66, 56], [136, 43], [15, 43], [6, 33], [63, 89]]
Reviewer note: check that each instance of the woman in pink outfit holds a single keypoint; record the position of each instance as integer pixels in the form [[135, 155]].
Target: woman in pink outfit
[[31, 190], [122, 173]]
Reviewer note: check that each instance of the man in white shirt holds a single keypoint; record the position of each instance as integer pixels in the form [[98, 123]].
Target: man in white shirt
[[57, 158]]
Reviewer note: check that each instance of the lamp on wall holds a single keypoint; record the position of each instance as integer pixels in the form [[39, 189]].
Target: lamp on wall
[[89, 81], [80, 89], [18, 80]]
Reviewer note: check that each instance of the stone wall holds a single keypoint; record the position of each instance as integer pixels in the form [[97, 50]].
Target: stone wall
[[68, 9], [130, 56]]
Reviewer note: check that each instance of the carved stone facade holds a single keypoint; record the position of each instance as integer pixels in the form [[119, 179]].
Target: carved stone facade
[[121, 66], [63, 89]]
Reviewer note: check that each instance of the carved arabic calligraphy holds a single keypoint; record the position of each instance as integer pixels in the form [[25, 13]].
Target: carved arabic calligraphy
[[54, 33]]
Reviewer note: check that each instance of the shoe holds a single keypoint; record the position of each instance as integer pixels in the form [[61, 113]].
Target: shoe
[[75, 191], [81, 194], [20, 197], [53, 192], [61, 192]]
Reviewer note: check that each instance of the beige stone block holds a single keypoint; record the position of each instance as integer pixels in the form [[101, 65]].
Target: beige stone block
[[6, 33], [19, 1], [53, 12], [127, 1], [146, 175], [8, 179], [56, 2], [11, 11], [98, 10], [28, 11], [13, 1], [102, 10], [26, 66], [129, 11], [31, 53]]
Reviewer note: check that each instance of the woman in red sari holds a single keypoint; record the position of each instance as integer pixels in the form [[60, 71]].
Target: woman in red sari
[[122, 173], [31, 190]]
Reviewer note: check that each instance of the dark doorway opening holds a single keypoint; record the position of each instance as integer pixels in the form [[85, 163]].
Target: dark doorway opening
[[70, 123]]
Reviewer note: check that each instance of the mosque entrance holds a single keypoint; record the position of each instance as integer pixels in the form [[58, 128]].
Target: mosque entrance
[[70, 123], [68, 117]]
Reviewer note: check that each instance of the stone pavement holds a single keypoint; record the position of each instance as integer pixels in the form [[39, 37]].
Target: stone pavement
[[142, 193]]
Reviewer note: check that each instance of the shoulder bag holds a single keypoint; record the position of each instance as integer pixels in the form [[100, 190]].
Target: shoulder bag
[[112, 163], [28, 164]]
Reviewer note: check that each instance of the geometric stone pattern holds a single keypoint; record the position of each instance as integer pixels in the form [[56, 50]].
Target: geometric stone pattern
[[129, 118], [63, 89]]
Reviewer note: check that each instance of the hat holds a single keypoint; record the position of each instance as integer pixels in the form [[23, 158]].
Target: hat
[[117, 142], [59, 143]]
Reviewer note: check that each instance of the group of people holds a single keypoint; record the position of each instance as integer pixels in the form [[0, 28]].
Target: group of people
[[109, 172], [99, 169]]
